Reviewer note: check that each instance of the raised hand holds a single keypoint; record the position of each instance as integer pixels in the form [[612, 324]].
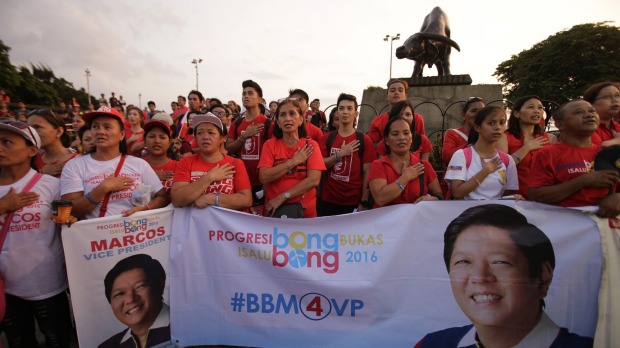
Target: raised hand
[[218, 173]]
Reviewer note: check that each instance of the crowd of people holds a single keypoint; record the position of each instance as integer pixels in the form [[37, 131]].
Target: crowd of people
[[281, 159]]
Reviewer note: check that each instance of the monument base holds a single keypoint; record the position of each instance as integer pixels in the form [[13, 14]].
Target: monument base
[[448, 80]]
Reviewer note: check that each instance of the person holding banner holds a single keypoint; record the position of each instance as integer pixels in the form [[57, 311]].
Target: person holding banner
[[157, 136], [210, 177], [500, 269], [401, 176], [134, 288], [32, 263], [104, 182], [290, 165]]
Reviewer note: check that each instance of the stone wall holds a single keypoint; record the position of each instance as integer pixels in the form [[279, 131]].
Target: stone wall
[[450, 97]]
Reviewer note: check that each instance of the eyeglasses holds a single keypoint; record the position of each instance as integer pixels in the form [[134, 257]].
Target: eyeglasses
[[290, 99], [21, 125], [219, 113], [610, 97]]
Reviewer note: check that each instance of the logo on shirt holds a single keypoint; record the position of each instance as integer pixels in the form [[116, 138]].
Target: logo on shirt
[[341, 170], [455, 168], [251, 149]]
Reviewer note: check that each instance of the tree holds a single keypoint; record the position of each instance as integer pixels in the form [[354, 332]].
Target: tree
[[9, 76], [564, 65]]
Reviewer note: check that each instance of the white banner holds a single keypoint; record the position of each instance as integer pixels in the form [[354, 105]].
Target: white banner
[[93, 248], [370, 279]]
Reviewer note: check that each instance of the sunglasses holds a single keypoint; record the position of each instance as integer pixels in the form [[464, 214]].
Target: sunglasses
[[21, 125], [219, 113]]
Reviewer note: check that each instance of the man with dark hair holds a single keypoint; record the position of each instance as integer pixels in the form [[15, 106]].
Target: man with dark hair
[[302, 97], [247, 135], [318, 117], [196, 105], [182, 109], [113, 101], [134, 287], [563, 174], [103, 101], [152, 109], [347, 155], [396, 91]]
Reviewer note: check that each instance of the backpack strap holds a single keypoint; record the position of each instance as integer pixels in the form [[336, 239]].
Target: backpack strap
[[237, 124], [360, 151], [468, 154], [330, 140], [267, 124]]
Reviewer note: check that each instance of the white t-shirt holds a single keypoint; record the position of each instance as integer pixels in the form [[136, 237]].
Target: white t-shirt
[[494, 184], [83, 174], [32, 261]]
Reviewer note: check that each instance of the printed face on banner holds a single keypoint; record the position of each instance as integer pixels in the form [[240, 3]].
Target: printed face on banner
[[490, 279], [133, 302]]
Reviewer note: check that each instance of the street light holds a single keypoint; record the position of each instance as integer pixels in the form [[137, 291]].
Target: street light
[[196, 62], [140, 101], [88, 85], [391, 39]]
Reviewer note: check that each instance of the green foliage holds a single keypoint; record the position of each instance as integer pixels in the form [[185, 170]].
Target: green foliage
[[564, 65], [37, 85]]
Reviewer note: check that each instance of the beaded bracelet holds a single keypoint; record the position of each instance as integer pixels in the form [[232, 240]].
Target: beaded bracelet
[[517, 156], [400, 185]]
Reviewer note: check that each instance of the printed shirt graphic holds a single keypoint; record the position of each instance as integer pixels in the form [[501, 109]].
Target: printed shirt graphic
[[192, 168], [32, 260], [168, 167], [83, 174], [251, 150], [560, 162], [493, 186], [343, 184]]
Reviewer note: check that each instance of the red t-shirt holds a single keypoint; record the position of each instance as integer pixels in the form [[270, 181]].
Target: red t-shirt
[[168, 167], [313, 132], [179, 112], [276, 152], [128, 134], [425, 147], [343, 182], [452, 142], [378, 125], [39, 163], [604, 133], [383, 168], [250, 152], [192, 168], [525, 166], [560, 162]]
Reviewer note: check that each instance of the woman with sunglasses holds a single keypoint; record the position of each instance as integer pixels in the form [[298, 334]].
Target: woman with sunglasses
[[55, 142], [290, 164], [103, 182], [32, 259]]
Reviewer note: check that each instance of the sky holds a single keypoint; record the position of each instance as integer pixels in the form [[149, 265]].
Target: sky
[[324, 47]]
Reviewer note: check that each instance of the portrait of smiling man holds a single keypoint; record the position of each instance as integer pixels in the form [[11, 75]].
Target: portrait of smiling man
[[134, 288]]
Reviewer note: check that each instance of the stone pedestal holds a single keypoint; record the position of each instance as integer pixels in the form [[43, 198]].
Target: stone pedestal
[[431, 101]]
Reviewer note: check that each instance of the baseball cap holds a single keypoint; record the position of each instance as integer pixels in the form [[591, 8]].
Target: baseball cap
[[164, 117], [103, 111], [157, 124], [208, 118], [22, 129]]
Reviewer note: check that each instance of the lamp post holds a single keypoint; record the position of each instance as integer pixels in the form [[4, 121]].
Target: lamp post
[[391, 39], [88, 85], [196, 62], [140, 101]]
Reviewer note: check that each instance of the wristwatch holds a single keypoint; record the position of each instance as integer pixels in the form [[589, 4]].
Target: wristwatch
[[287, 195]]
